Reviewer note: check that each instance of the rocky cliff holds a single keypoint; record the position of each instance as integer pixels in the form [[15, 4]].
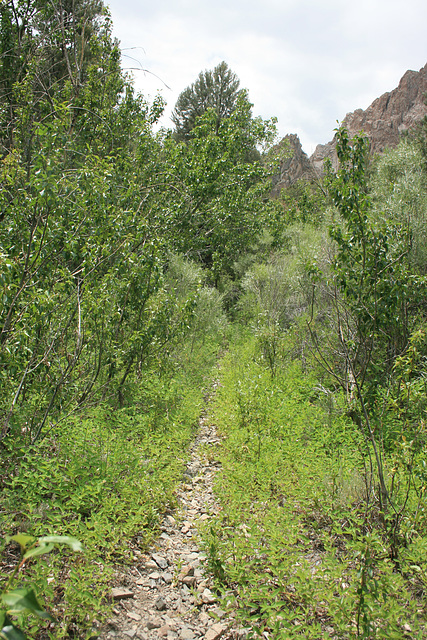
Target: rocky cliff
[[383, 122], [294, 166]]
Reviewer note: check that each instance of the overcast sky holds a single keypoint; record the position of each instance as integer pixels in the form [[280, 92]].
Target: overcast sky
[[307, 62]]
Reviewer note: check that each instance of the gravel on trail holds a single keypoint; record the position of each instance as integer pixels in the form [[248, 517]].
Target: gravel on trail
[[168, 594]]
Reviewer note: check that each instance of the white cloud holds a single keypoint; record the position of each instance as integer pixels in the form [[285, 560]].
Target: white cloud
[[305, 61]]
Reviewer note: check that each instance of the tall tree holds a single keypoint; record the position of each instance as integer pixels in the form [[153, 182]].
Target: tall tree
[[219, 203], [217, 89], [46, 46], [80, 265]]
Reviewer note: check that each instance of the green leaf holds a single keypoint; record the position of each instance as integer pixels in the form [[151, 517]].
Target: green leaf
[[24, 600], [22, 539], [73, 543], [8, 629], [39, 550]]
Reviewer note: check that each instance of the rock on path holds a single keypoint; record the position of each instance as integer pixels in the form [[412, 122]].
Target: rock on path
[[169, 595]]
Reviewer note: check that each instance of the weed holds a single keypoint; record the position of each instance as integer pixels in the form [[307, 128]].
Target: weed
[[293, 540], [105, 476]]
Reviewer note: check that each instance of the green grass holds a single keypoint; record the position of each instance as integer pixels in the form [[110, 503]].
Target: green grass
[[293, 548], [104, 477]]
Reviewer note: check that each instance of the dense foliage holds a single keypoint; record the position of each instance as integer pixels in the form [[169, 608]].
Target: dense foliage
[[323, 530], [120, 248], [296, 550], [106, 333], [92, 205]]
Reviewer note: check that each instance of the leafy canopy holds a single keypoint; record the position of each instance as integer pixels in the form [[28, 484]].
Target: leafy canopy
[[218, 205]]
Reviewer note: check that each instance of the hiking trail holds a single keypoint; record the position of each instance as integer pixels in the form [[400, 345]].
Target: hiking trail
[[167, 593]]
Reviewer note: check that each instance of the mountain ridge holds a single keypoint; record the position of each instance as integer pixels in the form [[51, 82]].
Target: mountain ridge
[[383, 122]]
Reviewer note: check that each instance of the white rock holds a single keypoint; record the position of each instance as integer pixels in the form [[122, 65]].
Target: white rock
[[208, 597], [133, 616], [214, 632], [121, 594], [154, 623], [160, 561]]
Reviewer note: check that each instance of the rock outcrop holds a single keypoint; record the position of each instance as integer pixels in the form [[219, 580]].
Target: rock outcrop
[[385, 119], [294, 166], [383, 122]]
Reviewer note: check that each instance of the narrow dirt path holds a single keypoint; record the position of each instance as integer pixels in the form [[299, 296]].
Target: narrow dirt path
[[167, 594]]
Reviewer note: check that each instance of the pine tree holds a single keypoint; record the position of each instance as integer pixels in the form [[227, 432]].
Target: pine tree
[[217, 89]]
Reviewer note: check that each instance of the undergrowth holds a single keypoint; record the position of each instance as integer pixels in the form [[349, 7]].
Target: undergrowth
[[105, 477], [296, 549]]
